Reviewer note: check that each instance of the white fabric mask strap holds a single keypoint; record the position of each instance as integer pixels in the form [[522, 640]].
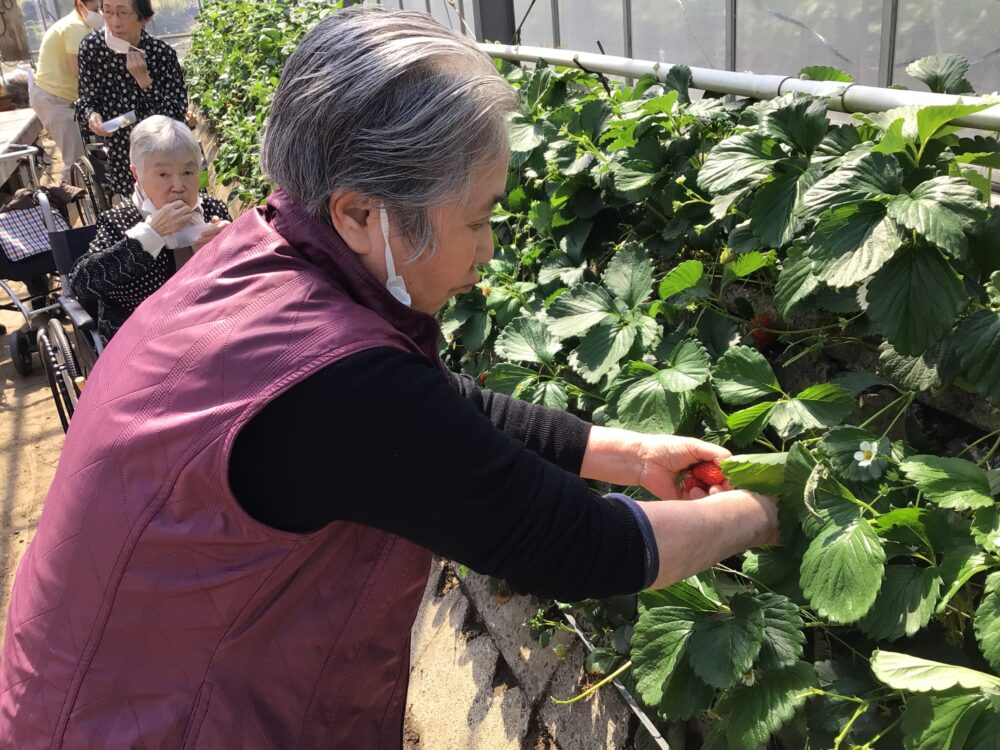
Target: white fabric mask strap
[[394, 283]]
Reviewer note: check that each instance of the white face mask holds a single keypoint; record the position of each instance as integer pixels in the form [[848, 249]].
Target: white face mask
[[94, 19], [115, 44], [394, 283]]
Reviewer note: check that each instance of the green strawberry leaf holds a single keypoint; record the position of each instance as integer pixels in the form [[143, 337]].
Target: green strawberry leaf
[[757, 472], [871, 176], [774, 215], [743, 375], [579, 310], [745, 425], [818, 406], [796, 282], [724, 646], [602, 348], [783, 636], [747, 157], [680, 278], [824, 73], [905, 603], [527, 340], [688, 367], [648, 406], [800, 123], [939, 722], [915, 299], [751, 714], [524, 134], [629, 276], [949, 482], [943, 74], [988, 621], [852, 242], [941, 210], [842, 569], [906, 672], [917, 373], [977, 347], [659, 637]]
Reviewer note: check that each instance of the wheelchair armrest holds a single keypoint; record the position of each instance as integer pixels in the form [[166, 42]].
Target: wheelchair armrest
[[78, 316]]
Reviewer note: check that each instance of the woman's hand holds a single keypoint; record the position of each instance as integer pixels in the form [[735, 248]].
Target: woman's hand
[[135, 63], [171, 218], [663, 457], [652, 461], [96, 124], [211, 230]]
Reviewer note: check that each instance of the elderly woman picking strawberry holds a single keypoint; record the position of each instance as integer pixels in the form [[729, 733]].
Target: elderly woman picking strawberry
[[270, 450]]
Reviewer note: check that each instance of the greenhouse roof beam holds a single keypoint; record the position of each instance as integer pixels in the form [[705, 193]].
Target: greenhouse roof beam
[[842, 97]]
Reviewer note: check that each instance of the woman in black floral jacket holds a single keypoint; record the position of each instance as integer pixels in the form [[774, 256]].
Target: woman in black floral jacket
[[145, 78], [140, 244]]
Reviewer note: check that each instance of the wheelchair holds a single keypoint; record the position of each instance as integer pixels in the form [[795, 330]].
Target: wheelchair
[[48, 246]]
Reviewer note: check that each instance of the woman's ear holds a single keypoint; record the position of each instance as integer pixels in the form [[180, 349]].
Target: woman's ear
[[134, 171], [354, 218]]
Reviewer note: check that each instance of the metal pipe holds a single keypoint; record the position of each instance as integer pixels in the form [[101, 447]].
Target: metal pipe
[[556, 31], [841, 97]]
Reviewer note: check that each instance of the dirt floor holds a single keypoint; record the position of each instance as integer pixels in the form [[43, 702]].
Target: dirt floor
[[30, 440]]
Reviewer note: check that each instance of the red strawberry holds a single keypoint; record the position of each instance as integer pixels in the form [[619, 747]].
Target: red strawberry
[[708, 473], [762, 338]]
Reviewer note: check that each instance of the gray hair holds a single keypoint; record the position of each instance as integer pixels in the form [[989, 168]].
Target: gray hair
[[390, 104], [162, 136]]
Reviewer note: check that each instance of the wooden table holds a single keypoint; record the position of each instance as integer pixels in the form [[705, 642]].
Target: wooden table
[[20, 126]]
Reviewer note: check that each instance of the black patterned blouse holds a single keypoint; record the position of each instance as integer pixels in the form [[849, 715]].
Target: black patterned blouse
[[115, 275], [106, 87]]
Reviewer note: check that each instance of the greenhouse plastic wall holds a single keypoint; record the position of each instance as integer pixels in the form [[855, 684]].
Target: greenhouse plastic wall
[[776, 36]]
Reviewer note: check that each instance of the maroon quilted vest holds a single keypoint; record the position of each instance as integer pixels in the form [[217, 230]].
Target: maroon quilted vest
[[150, 610]]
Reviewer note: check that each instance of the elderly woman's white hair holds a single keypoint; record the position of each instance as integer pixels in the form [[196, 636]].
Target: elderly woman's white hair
[[390, 104], [163, 137]]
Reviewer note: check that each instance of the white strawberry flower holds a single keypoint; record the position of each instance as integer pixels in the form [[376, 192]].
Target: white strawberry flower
[[866, 454]]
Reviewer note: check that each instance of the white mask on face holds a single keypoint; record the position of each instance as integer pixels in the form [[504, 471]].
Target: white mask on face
[[394, 283], [115, 44], [94, 20]]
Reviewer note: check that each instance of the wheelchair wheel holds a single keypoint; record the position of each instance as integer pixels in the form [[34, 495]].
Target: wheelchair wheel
[[67, 367], [20, 352], [84, 176], [48, 356]]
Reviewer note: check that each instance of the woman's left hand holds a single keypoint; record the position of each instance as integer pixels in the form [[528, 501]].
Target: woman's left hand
[[211, 229], [654, 462], [135, 63]]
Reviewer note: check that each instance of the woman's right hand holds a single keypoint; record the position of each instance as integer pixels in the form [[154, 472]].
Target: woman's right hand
[[171, 218], [96, 124]]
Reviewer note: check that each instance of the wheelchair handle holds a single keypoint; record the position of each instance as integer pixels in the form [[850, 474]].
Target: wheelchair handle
[[19, 152]]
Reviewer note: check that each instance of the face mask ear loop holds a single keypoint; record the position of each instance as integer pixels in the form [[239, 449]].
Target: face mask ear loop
[[389, 265]]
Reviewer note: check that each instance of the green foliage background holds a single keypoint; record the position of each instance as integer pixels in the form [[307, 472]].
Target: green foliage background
[[751, 273]]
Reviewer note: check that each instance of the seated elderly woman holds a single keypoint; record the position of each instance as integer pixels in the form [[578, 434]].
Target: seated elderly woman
[[142, 243], [235, 545]]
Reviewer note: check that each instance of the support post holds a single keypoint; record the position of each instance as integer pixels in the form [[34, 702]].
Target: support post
[[887, 50], [495, 20]]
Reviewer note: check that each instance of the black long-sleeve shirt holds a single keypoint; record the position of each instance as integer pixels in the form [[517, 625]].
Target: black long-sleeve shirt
[[383, 438]]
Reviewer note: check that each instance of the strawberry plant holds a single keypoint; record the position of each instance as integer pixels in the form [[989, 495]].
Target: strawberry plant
[[237, 51], [824, 298], [806, 293]]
